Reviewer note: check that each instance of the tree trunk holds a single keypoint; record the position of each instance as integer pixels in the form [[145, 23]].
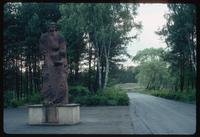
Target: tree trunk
[[107, 71], [34, 74], [17, 79], [30, 79], [107, 54], [21, 78], [147, 87], [77, 58], [89, 70], [181, 74], [99, 72], [99, 55], [26, 82]]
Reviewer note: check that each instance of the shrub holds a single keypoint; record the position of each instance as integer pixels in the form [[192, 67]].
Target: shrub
[[123, 100], [185, 96], [103, 100], [35, 98], [116, 96], [78, 91], [112, 102], [10, 101], [110, 96], [78, 94], [7, 97], [97, 100], [75, 92], [17, 102]]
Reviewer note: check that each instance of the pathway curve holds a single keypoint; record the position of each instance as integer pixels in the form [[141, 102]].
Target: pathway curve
[[155, 115]]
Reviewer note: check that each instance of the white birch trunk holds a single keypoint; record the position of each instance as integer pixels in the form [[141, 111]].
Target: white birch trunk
[[98, 64], [99, 71], [107, 53], [192, 59]]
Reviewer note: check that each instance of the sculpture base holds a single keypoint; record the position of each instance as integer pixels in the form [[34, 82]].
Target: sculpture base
[[62, 114]]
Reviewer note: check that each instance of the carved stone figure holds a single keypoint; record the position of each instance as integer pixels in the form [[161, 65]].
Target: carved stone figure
[[54, 74]]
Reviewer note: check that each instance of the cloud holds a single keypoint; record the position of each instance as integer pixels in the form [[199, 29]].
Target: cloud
[[151, 16]]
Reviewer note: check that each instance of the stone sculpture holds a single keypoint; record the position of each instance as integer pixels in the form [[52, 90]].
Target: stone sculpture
[[54, 74], [56, 109]]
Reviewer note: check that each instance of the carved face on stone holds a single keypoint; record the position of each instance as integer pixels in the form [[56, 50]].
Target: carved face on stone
[[52, 27]]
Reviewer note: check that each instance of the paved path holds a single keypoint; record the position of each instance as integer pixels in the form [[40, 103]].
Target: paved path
[[94, 120], [154, 115], [145, 115]]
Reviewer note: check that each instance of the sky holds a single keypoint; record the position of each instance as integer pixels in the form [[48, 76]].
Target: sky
[[151, 17]]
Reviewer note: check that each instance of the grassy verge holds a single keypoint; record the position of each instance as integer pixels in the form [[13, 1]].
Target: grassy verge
[[185, 96], [188, 96]]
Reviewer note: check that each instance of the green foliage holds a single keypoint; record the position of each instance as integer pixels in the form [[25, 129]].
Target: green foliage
[[110, 96], [77, 91], [23, 24], [35, 98], [105, 30], [116, 96], [179, 33], [152, 72], [17, 102], [8, 97], [148, 54], [94, 100], [11, 101], [77, 94], [123, 75], [87, 28], [185, 96]]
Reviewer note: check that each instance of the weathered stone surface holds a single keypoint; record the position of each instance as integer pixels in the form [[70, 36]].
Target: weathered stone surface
[[36, 114], [51, 114], [54, 85], [69, 114], [57, 115]]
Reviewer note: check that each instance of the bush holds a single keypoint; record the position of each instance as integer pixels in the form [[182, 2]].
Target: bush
[[76, 92], [123, 99], [110, 96], [7, 98], [116, 96], [17, 102], [35, 98], [97, 100], [10, 101], [185, 96]]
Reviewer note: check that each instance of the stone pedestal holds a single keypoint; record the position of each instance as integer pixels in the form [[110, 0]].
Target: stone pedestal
[[62, 114]]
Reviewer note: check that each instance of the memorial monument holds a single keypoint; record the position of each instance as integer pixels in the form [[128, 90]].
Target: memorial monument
[[55, 108]]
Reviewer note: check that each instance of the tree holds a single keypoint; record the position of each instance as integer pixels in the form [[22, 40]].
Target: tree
[[103, 31], [72, 26], [21, 35], [153, 70], [96, 35], [180, 35]]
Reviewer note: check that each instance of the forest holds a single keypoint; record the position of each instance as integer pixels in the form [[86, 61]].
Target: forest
[[97, 39]]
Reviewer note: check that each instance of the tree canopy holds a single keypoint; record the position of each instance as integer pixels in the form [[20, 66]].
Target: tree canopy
[[179, 33], [95, 34]]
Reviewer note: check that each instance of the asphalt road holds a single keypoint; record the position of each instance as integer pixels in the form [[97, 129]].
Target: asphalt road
[[146, 114], [154, 115]]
